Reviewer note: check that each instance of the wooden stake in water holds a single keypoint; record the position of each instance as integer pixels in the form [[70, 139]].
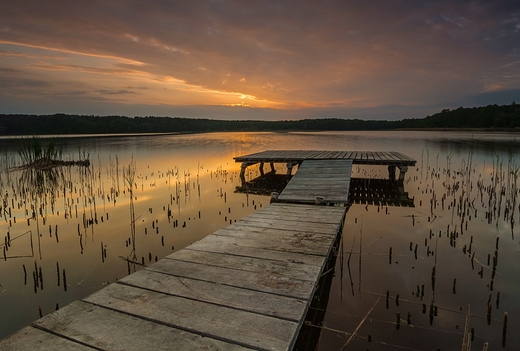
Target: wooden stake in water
[[454, 285], [466, 341], [64, 280], [58, 272], [504, 330]]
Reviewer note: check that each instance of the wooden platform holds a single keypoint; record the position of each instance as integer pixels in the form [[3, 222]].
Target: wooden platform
[[390, 158], [327, 179], [245, 287]]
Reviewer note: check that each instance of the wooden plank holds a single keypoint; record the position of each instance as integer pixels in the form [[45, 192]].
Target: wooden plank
[[305, 197], [240, 229], [341, 187], [343, 155], [110, 330], [313, 213], [224, 323], [270, 283], [317, 178], [224, 295], [320, 176], [32, 339], [323, 178], [297, 208], [403, 158], [322, 167], [323, 171], [332, 215], [323, 228], [328, 217], [298, 248], [249, 264], [319, 189]]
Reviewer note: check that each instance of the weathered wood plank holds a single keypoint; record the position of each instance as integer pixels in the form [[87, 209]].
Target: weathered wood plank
[[329, 217], [244, 230], [110, 330], [323, 228], [342, 184], [270, 283], [315, 179], [312, 211], [297, 248], [305, 197], [224, 295], [274, 213], [322, 169], [306, 209], [249, 264], [32, 339], [227, 324]]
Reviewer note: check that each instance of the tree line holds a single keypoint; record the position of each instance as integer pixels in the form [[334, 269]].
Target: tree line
[[489, 117]]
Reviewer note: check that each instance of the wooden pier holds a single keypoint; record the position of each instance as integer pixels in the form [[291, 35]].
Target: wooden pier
[[247, 286]]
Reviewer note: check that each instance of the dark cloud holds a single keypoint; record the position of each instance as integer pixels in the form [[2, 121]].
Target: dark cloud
[[504, 97]]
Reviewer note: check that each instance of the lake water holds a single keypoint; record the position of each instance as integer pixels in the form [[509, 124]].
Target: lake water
[[404, 278]]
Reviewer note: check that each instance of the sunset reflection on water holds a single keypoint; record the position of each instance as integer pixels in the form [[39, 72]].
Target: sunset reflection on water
[[184, 189]]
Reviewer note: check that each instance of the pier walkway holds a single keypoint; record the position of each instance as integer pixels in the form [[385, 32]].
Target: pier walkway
[[245, 287], [319, 181]]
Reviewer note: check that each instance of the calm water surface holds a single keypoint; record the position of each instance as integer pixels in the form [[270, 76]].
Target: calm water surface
[[404, 279]]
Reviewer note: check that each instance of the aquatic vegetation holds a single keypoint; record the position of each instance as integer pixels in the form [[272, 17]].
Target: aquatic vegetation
[[36, 153]]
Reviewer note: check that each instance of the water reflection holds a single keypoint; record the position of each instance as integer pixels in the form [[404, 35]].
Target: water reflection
[[38, 187], [463, 223]]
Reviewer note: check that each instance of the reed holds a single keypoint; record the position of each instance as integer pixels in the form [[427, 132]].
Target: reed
[[33, 150]]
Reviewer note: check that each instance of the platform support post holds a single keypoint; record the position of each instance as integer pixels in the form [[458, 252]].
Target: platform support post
[[402, 172], [391, 172], [290, 166]]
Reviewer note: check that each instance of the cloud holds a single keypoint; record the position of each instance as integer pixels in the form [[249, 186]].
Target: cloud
[[283, 55], [115, 92]]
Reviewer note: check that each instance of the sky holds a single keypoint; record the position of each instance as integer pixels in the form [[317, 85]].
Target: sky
[[272, 60]]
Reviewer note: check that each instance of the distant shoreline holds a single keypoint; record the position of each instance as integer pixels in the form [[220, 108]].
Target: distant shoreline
[[144, 134], [510, 130], [491, 118]]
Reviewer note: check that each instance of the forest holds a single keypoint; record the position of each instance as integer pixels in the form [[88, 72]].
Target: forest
[[491, 117]]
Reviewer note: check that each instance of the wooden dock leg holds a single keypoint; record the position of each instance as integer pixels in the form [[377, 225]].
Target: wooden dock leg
[[391, 172], [289, 168], [274, 197], [262, 169], [402, 172], [243, 171], [272, 167]]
